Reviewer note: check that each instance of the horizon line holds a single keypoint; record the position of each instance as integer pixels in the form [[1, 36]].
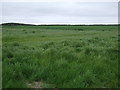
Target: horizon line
[[61, 23]]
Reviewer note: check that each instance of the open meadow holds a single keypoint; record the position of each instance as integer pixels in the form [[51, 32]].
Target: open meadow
[[0, 57], [60, 56]]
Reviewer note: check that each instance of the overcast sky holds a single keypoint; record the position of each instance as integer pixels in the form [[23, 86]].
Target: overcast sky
[[60, 12]]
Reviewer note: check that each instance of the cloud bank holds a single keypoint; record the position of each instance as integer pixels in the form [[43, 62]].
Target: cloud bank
[[60, 12]]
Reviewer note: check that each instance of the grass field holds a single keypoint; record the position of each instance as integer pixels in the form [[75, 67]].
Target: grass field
[[0, 57], [60, 56]]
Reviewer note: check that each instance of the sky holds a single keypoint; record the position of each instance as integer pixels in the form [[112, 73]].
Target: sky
[[60, 12]]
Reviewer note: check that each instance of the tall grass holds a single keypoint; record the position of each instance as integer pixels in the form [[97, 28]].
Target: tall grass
[[60, 59]]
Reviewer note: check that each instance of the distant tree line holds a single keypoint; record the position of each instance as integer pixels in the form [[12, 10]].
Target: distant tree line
[[17, 24]]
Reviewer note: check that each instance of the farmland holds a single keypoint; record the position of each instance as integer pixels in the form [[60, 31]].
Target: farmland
[[60, 56]]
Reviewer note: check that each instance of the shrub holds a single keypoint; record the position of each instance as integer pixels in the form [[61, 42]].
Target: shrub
[[24, 30], [9, 55], [88, 50], [33, 31], [15, 44]]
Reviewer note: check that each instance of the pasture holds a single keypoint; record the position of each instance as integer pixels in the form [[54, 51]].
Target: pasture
[[60, 56]]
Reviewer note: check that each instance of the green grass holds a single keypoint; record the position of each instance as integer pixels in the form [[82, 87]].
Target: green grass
[[60, 56], [0, 57]]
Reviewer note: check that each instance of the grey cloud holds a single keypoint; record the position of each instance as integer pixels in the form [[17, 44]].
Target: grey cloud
[[54, 12]]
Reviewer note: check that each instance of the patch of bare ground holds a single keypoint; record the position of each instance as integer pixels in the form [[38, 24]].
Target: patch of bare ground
[[35, 84], [39, 85]]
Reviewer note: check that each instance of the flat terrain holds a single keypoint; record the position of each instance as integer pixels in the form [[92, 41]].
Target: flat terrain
[[0, 57], [60, 56]]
